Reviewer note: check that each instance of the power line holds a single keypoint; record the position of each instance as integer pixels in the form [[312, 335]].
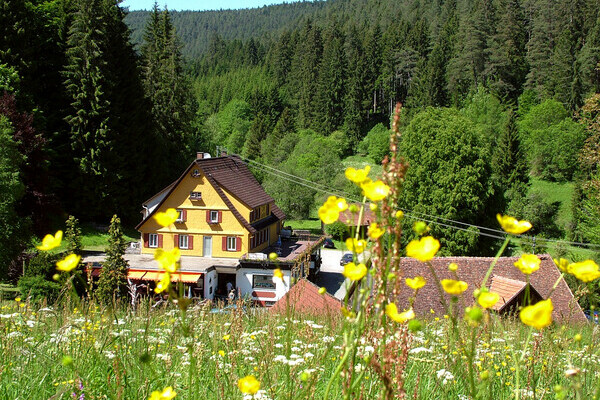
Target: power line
[[410, 213]]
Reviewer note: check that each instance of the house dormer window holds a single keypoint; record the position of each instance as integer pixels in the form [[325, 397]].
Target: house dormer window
[[182, 216], [195, 196]]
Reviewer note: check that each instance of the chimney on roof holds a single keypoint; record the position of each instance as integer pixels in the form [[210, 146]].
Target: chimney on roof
[[223, 153], [199, 155]]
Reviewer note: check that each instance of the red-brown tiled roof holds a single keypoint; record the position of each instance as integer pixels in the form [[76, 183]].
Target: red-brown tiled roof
[[506, 288], [232, 174], [304, 298], [472, 270]]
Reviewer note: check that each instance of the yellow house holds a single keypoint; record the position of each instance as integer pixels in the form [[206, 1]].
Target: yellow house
[[223, 212]]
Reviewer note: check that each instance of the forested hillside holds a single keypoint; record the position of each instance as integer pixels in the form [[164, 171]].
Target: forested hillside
[[499, 103]]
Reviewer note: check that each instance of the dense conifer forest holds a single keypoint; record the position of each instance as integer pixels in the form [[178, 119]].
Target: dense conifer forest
[[99, 109]]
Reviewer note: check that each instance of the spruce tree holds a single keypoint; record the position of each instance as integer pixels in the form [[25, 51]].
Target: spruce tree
[[540, 48], [112, 283], [507, 65], [73, 236], [509, 163]]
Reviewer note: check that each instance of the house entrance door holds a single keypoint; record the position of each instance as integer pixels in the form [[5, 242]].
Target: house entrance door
[[207, 246]]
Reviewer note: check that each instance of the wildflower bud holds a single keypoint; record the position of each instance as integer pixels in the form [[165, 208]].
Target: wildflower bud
[[484, 375], [353, 208], [474, 313], [373, 207], [414, 325], [391, 276], [476, 293], [577, 337], [420, 227], [272, 256], [452, 267], [56, 277], [67, 361], [322, 290], [304, 376], [399, 214]]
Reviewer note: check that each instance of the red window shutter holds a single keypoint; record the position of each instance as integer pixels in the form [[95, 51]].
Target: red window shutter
[[208, 216], [146, 240], [184, 215], [160, 243], [238, 244], [224, 243], [220, 216], [176, 241], [190, 242]]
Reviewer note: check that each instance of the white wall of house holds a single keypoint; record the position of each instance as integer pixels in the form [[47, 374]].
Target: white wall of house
[[244, 281], [210, 284]]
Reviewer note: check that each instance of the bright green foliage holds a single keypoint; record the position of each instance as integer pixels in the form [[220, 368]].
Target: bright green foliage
[[230, 126], [338, 230], [112, 283], [73, 236], [447, 176], [312, 158], [376, 144], [553, 141], [11, 191], [38, 288]]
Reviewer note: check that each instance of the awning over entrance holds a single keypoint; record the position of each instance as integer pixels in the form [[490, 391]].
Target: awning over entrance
[[157, 276]]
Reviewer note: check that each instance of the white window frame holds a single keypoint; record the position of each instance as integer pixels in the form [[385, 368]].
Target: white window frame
[[153, 240], [184, 242], [180, 216], [231, 240], [214, 217], [270, 283]]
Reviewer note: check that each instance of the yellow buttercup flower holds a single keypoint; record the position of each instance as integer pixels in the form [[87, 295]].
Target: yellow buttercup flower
[[166, 218], [226, 337], [374, 231], [164, 283], [454, 287], [221, 353], [272, 256], [375, 191], [562, 264], [167, 260], [512, 225], [585, 271], [354, 272], [528, 263], [51, 242], [415, 283], [538, 315], [357, 176], [167, 394], [329, 212], [249, 385], [277, 273], [423, 249], [488, 299], [453, 267], [68, 263], [322, 290], [392, 311], [356, 245]]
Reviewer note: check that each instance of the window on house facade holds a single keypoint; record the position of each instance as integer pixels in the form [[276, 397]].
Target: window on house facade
[[263, 282], [195, 195], [181, 216], [214, 217], [153, 240], [231, 244], [183, 241]]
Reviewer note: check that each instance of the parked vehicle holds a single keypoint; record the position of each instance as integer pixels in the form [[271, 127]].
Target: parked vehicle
[[346, 258], [593, 316], [328, 244]]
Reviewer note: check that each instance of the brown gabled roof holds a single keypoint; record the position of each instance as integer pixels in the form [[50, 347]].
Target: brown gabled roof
[[473, 269], [232, 174], [304, 298]]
